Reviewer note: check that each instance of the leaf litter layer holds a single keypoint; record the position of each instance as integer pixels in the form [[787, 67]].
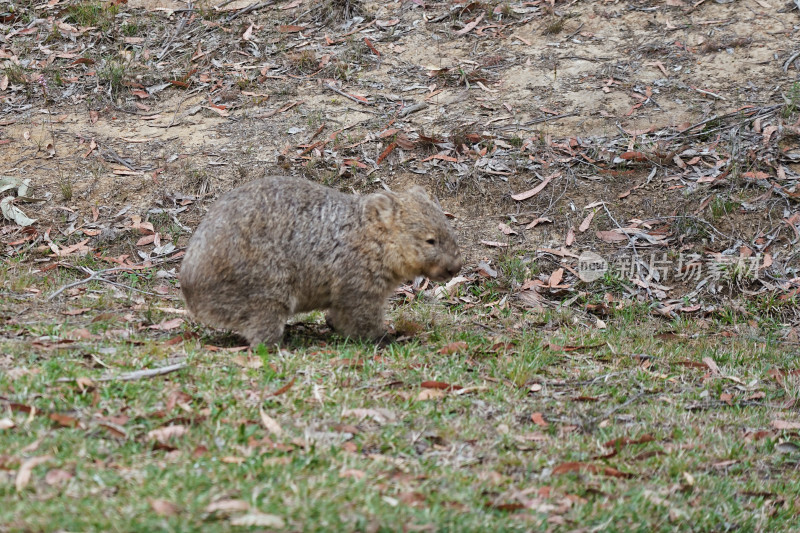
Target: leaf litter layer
[[663, 138]]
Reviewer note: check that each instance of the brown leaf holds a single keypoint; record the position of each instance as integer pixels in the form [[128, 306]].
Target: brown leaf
[[63, 420], [564, 468], [555, 277], [536, 190], [56, 476], [26, 470], [386, 152], [167, 433], [75, 312], [570, 237], [452, 348], [258, 519], [625, 441], [470, 26], [506, 229], [712, 365], [147, 239], [227, 506], [430, 394], [284, 388], [611, 236], [270, 423], [290, 28], [782, 424], [536, 222], [168, 324], [539, 420], [164, 508], [439, 385], [586, 222]]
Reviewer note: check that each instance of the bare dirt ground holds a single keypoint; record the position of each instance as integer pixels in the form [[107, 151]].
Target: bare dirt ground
[[657, 127]]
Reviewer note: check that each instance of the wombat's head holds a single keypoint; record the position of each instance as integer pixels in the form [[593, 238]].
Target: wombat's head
[[419, 240]]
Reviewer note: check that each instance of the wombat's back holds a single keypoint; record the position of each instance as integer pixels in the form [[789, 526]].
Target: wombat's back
[[262, 241]]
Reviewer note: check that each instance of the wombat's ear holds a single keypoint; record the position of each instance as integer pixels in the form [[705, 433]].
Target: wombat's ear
[[380, 208], [418, 191], [422, 194]]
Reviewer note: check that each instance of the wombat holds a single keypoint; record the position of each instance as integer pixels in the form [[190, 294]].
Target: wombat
[[280, 245]]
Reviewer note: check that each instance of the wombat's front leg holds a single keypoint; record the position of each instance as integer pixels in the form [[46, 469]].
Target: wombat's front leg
[[364, 321]]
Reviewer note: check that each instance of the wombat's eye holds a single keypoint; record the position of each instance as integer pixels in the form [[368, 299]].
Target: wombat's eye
[[431, 241]]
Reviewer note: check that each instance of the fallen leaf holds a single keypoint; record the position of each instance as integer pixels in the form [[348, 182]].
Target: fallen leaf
[[167, 324], [258, 520], [470, 26], [6, 423], [506, 229], [270, 423], [453, 347], [586, 222], [430, 394], [439, 385], [536, 190], [611, 236], [167, 433], [555, 277], [625, 441], [227, 506], [539, 420], [56, 476], [164, 508], [782, 424], [379, 415], [26, 470], [711, 365]]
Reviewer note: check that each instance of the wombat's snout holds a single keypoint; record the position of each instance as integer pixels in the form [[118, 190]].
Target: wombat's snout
[[446, 270], [454, 267]]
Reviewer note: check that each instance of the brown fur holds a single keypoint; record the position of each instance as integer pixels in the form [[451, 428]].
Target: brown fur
[[279, 246]]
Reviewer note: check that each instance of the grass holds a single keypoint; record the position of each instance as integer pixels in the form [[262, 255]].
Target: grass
[[364, 445], [93, 14]]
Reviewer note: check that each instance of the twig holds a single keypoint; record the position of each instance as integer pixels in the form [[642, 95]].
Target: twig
[[96, 276], [248, 9], [535, 121], [791, 59], [136, 374], [223, 4], [708, 93], [178, 30], [141, 374], [411, 109], [754, 112], [337, 91]]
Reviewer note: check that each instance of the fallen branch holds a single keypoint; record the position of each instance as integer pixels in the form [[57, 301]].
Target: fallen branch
[[97, 276], [148, 373]]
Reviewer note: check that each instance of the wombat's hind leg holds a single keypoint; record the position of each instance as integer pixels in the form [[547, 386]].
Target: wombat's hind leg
[[365, 322], [266, 324]]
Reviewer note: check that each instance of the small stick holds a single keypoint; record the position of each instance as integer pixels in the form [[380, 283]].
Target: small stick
[[404, 112], [223, 4], [709, 93], [148, 373], [791, 59], [353, 98], [248, 9]]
